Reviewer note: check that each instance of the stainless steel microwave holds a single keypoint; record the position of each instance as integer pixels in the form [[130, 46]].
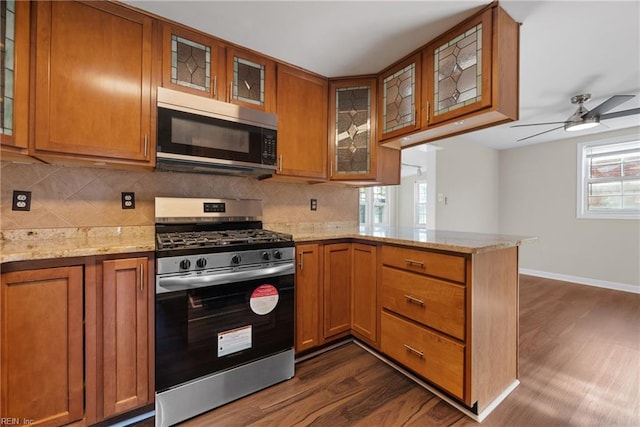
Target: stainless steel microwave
[[198, 134]]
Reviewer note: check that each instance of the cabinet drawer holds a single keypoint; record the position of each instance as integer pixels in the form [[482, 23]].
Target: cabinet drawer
[[437, 359], [432, 302], [449, 267]]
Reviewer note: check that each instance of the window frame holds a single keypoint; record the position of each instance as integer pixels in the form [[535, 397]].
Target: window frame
[[416, 203], [582, 211]]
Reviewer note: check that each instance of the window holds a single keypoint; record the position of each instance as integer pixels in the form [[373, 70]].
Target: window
[[609, 179], [375, 206], [420, 203]]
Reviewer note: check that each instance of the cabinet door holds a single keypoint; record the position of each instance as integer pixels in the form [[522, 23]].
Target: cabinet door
[[251, 80], [364, 293], [399, 98], [458, 75], [302, 124], [353, 144], [337, 289], [14, 76], [41, 363], [191, 62], [308, 297], [93, 82], [125, 334]]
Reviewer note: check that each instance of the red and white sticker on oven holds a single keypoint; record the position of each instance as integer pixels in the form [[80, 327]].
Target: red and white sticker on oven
[[264, 299]]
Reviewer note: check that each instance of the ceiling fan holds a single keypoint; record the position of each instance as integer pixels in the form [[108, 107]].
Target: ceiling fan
[[585, 119]]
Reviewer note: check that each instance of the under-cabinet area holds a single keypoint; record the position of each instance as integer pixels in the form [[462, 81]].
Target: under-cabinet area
[[449, 317]]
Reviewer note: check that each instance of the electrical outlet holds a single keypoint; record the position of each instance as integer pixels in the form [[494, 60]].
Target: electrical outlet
[[21, 200], [128, 200], [314, 204]]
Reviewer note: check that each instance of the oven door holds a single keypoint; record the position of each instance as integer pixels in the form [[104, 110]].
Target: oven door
[[209, 328]]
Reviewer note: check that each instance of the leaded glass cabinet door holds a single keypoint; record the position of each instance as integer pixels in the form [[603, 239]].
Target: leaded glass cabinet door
[[353, 144], [251, 80], [190, 62], [458, 71], [14, 75], [399, 98]]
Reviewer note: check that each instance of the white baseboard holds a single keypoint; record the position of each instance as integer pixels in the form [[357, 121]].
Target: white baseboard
[[583, 280]]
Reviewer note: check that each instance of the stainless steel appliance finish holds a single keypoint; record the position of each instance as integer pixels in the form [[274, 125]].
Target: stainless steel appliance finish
[[224, 305], [198, 134]]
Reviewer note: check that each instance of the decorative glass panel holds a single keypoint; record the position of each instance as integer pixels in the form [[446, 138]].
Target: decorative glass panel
[[248, 81], [398, 99], [353, 130], [458, 71], [190, 63], [7, 36]]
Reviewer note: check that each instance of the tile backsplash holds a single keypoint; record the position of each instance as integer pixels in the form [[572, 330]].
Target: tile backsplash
[[90, 197]]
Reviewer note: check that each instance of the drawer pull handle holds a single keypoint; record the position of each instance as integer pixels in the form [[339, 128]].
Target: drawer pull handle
[[414, 351], [414, 300], [412, 262]]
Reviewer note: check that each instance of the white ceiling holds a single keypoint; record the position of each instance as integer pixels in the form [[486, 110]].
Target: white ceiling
[[566, 47]]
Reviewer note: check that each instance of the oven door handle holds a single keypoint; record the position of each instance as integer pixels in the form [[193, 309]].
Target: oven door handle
[[181, 283]]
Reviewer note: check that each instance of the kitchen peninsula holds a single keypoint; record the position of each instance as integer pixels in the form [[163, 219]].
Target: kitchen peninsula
[[440, 306]]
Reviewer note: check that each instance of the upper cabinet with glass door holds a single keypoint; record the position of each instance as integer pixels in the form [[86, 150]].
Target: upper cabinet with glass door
[[14, 77], [399, 98], [471, 75], [191, 62], [353, 147], [251, 80]]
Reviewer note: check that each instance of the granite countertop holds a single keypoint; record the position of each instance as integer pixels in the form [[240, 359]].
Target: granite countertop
[[455, 241], [22, 245]]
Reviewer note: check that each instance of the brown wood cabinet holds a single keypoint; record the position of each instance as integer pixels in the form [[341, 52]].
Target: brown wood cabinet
[[251, 80], [302, 125], [308, 296], [192, 62], [126, 327], [77, 338], [93, 77], [337, 289], [14, 133], [364, 293], [468, 81], [354, 154], [41, 359], [452, 318]]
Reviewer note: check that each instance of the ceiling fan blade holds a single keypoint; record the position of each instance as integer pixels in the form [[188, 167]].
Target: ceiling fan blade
[[620, 114], [537, 124], [607, 105], [537, 134]]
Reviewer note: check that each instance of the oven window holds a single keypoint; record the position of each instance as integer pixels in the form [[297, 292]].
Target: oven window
[[208, 135], [206, 330]]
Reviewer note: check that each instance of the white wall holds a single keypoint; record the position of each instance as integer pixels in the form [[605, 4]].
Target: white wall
[[467, 187], [538, 198]]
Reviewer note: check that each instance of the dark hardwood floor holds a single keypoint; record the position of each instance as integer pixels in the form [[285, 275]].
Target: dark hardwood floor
[[579, 366]]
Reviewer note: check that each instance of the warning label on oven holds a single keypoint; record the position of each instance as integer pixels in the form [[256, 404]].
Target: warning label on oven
[[234, 340], [264, 299]]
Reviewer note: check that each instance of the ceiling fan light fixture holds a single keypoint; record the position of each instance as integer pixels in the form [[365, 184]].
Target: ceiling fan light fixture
[[582, 124]]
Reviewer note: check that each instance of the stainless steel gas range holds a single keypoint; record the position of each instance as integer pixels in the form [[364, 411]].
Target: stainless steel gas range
[[224, 305]]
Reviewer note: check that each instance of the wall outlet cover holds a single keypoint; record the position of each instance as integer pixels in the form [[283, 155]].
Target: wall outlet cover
[[21, 200], [128, 200], [314, 204]]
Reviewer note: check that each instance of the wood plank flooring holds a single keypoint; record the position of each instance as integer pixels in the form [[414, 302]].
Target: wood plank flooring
[[579, 366]]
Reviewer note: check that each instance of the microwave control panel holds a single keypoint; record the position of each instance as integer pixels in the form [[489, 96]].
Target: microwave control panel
[[269, 147]]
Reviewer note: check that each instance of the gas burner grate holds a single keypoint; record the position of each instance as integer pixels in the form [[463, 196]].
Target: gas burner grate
[[205, 239]]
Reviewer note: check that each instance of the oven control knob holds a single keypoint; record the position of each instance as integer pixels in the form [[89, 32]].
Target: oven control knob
[[201, 262], [266, 256], [277, 254], [235, 259], [185, 264]]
